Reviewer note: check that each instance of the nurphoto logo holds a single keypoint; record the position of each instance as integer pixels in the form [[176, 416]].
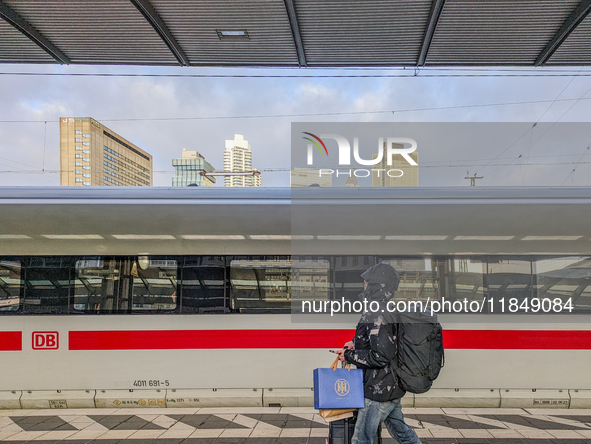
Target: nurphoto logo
[[394, 146]]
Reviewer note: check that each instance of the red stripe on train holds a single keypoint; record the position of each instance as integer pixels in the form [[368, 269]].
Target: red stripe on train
[[11, 340], [207, 339], [518, 339], [272, 339]]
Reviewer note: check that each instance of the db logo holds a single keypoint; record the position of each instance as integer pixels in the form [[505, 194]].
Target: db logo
[[45, 340]]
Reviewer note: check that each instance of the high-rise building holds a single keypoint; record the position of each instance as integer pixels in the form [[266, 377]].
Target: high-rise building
[[381, 178], [187, 170], [351, 182], [305, 177], [238, 159], [93, 155]]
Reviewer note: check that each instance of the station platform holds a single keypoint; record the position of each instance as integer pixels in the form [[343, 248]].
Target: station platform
[[275, 425]]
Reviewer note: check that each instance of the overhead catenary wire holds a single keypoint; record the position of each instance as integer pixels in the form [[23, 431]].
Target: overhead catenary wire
[[571, 174], [274, 170], [14, 161], [431, 164], [337, 113], [537, 121], [531, 135], [549, 128], [580, 159]]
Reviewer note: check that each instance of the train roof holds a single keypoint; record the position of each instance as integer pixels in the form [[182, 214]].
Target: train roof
[[131, 194], [299, 221]]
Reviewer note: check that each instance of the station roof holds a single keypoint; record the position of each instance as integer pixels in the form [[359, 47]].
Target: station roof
[[292, 33]]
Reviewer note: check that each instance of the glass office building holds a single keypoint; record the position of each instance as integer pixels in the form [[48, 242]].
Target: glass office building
[[188, 169]]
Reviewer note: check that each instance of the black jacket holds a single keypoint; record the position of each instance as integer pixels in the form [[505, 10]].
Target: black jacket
[[375, 353]]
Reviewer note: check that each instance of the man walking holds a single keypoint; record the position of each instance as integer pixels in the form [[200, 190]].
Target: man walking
[[374, 350]]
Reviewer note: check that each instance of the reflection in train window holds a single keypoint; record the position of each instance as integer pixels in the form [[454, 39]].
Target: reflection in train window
[[270, 284], [47, 282], [10, 285], [564, 278], [348, 282], [310, 279], [154, 284], [125, 284], [509, 278], [463, 278], [203, 285], [260, 284], [418, 278]]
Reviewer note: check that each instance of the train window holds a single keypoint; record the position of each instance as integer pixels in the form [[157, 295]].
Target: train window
[[310, 280], [260, 284], [47, 285], [154, 284], [271, 284], [419, 279], [348, 282], [203, 285], [125, 284], [509, 278], [11, 288], [461, 278], [564, 278], [102, 285]]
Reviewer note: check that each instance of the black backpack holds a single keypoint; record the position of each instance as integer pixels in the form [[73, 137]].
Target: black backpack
[[419, 350]]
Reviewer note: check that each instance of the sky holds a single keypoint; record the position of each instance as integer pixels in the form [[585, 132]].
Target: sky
[[162, 115]]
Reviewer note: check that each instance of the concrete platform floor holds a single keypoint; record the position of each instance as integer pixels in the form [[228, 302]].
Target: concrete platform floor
[[294, 425]]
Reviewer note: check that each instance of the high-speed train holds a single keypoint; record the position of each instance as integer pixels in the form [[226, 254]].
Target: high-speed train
[[152, 297]]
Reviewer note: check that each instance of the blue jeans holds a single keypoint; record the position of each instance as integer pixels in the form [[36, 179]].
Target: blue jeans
[[390, 413]]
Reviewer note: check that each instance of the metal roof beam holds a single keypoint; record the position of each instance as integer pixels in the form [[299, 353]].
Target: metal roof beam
[[295, 30], [27, 29], [146, 8], [577, 16], [436, 8]]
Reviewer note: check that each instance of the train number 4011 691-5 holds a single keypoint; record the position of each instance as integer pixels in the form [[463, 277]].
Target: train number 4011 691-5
[[150, 383]]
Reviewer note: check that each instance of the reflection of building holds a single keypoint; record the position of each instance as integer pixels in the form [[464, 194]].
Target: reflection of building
[[310, 279], [187, 169], [305, 177], [238, 159], [410, 178], [93, 155], [351, 182]]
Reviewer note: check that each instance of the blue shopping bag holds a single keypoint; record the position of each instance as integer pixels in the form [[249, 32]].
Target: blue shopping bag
[[338, 388]]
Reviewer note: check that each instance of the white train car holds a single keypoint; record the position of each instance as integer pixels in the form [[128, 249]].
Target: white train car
[[183, 297]]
